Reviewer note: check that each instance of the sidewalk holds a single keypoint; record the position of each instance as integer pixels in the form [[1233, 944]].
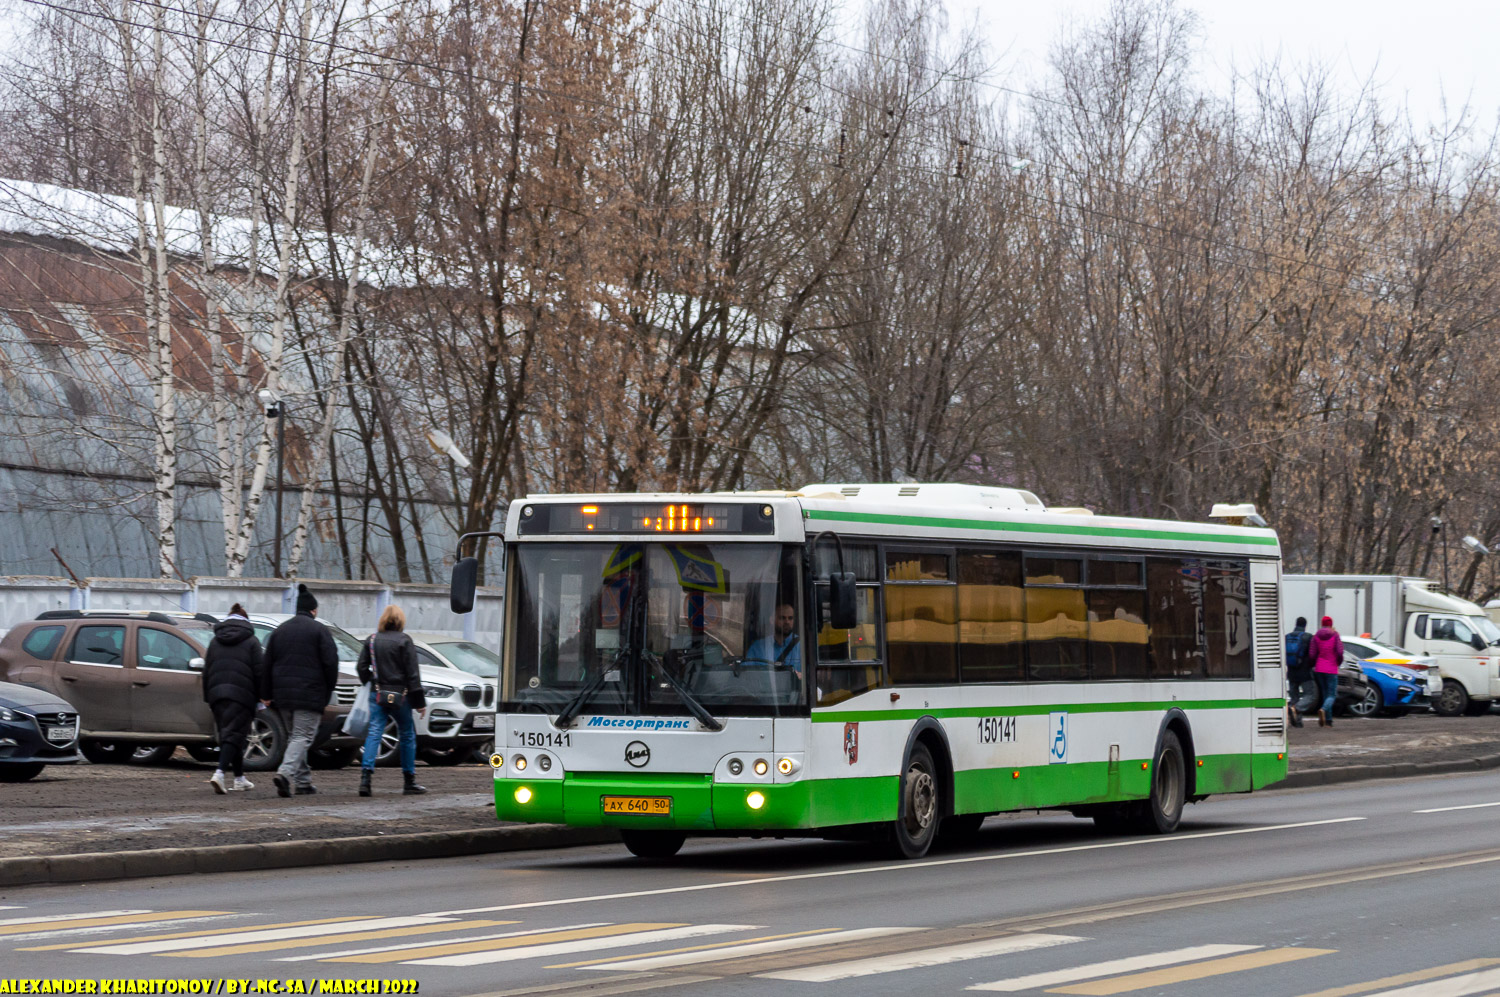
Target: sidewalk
[[166, 818]]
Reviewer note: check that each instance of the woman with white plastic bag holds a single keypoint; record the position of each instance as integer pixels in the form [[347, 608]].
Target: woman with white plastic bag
[[388, 667]]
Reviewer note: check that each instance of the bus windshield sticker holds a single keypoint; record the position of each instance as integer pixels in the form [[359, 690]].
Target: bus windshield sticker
[[1058, 752]]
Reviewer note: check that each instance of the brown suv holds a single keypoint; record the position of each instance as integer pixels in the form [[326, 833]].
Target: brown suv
[[136, 680]]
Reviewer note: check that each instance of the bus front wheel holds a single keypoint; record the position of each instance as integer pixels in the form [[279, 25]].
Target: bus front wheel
[[653, 844], [921, 806]]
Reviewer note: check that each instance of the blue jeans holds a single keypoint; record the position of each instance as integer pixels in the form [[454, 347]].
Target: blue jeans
[[1328, 684], [408, 734]]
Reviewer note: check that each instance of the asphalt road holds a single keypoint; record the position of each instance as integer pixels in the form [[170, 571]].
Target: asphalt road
[[1368, 888]]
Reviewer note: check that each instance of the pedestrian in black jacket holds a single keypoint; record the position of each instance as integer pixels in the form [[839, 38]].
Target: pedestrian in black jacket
[[232, 680], [302, 667], [388, 663]]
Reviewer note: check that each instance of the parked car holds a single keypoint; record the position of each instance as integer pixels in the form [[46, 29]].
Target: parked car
[[1399, 680], [477, 660], [134, 677], [37, 729], [460, 719], [1354, 688]]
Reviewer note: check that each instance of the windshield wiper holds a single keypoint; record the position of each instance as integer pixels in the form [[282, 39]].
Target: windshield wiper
[[706, 718], [575, 704]]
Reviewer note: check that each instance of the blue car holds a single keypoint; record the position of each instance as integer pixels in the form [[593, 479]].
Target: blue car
[[1392, 690]]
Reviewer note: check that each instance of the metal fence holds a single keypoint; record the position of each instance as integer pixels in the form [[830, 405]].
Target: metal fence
[[352, 605]]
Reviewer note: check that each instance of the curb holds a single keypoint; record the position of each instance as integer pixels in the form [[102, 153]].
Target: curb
[[1400, 770], [28, 870]]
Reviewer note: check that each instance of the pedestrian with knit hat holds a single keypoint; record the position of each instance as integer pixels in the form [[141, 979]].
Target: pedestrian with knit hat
[[302, 667], [1327, 651]]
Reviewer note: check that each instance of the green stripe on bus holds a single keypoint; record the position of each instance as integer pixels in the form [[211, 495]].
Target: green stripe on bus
[[857, 716], [934, 522]]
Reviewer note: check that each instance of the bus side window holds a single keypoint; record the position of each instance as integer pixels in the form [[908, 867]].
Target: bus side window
[[991, 617], [849, 661], [921, 617], [1174, 595]]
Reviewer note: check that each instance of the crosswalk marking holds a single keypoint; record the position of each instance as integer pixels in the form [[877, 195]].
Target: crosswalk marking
[[500, 942], [205, 932], [1193, 971], [70, 922], [1130, 964], [42, 919], [253, 935], [371, 949], [919, 958], [585, 945], [734, 950], [353, 936], [1481, 982], [1414, 977]]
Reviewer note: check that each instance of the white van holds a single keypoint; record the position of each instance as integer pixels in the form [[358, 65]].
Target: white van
[[1404, 610]]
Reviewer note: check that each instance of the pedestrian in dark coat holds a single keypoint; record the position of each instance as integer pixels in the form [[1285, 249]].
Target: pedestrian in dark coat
[[302, 667], [233, 667], [388, 663]]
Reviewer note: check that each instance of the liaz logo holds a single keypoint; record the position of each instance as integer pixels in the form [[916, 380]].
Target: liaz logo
[[637, 754], [634, 723]]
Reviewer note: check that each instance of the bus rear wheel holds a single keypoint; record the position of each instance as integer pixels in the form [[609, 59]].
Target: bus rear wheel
[[916, 826], [653, 844], [1162, 811]]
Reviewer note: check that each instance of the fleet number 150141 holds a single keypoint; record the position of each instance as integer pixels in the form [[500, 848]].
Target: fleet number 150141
[[996, 730]]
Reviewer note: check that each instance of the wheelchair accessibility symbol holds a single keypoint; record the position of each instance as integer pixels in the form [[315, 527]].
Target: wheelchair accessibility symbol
[[1058, 751]]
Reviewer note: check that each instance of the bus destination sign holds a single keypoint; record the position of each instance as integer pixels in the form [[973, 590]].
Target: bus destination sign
[[647, 517]]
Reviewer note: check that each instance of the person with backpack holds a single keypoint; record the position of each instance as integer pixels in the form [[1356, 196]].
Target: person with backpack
[[233, 674], [1327, 652], [388, 664], [1299, 671]]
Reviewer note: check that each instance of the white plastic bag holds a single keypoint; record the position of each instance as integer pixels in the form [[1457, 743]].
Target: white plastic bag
[[358, 720]]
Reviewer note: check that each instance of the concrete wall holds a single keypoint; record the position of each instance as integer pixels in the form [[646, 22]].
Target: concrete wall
[[355, 606]]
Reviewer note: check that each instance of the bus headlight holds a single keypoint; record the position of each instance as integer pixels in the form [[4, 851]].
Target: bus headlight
[[519, 762], [523, 795], [761, 766], [736, 766], [545, 761], [497, 761], [755, 800], [786, 766]]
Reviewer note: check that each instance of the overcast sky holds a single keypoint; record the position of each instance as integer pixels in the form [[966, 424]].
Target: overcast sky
[[1418, 51]]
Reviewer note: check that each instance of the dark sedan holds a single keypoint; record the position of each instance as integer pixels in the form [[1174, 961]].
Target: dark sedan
[[37, 729]]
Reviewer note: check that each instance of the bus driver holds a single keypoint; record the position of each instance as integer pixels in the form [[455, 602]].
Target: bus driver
[[783, 647]]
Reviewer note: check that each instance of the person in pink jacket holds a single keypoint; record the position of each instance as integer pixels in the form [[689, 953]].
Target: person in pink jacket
[[1327, 652]]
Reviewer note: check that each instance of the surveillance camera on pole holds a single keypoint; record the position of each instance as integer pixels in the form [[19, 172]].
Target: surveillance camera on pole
[[270, 401]]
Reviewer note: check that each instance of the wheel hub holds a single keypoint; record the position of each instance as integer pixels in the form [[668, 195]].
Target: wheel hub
[[921, 800]]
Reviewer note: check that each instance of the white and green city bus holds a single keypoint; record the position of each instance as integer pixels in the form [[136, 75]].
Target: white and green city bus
[[875, 660]]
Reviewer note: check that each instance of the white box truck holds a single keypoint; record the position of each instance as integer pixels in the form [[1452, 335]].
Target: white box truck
[[1403, 610]]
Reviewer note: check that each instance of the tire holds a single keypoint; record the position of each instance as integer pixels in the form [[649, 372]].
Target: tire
[[1371, 704], [1477, 708], [482, 751], [1452, 701], [331, 758], [916, 825], [390, 745], [106, 752], [21, 773], [960, 827], [152, 754], [204, 752], [266, 743], [653, 844], [456, 755], [1162, 811]]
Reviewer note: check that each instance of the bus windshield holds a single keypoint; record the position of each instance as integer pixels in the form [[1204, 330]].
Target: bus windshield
[[655, 628]]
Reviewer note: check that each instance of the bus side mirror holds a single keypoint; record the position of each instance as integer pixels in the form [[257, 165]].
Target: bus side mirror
[[1478, 642], [465, 582], [842, 612]]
